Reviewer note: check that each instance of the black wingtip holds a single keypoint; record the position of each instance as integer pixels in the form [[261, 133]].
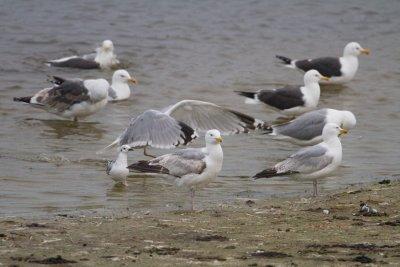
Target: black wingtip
[[26, 99], [267, 128], [246, 94], [268, 173], [144, 166], [188, 133], [285, 60]]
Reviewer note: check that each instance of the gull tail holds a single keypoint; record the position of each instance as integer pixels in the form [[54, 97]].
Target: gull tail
[[26, 99], [251, 97], [269, 173], [144, 166], [288, 62], [101, 151]]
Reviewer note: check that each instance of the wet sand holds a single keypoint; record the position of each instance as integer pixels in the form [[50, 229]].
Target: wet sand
[[325, 231]]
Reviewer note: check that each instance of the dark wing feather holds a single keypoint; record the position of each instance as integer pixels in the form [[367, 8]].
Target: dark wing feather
[[327, 66], [76, 62], [282, 98]]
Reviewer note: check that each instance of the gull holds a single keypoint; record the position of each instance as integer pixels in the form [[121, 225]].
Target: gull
[[178, 125], [119, 89], [312, 162], [117, 168], [104, 58], [307, 129], [339, 69], [70, 98], [290, 100], [192, 167]]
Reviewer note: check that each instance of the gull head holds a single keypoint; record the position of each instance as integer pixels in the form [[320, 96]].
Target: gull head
[[213, 137], [355, 49], [313, 76], [348, 120], [332, 130], [122, 76], [107, 46], [124, 149]]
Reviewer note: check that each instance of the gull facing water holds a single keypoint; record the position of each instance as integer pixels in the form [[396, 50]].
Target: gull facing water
[[193, 167]]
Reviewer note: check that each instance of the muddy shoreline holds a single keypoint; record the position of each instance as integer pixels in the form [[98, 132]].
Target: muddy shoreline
[[329, 230]]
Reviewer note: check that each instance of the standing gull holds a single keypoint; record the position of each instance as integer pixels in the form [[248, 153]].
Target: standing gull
[[312, 162], [193, 167], [290, 100], [339, 69], [118, 168], [104, 58], [307, 129], [71, 98], [119, 89], [177, 125]]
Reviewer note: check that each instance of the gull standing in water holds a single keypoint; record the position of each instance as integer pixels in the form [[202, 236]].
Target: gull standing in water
[[312, 162], [306, 129], [104, 58], [117, 168], [338, 69], [70, 98], [290, 100], [193, 167]]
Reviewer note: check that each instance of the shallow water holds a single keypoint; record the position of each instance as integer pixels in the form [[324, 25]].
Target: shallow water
[[186, 50]]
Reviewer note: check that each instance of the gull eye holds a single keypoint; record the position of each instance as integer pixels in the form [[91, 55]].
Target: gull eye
[[211, 135]]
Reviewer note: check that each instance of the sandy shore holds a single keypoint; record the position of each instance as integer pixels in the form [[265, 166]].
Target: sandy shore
[[325, 231]]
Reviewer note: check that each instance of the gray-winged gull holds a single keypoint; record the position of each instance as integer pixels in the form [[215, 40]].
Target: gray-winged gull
[[339, 69], [307, 129], [178, 123], [118, 168], [104, 58], [290, 100], [119, 89], [312, 162], [193, 167], [71, 98]]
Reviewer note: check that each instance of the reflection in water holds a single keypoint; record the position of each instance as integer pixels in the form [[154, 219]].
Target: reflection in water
[[63, 128]]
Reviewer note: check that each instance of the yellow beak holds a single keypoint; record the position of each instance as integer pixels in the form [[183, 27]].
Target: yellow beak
[[218, 139], [324, 78], [365, 51], [343, 131], [133, 80]]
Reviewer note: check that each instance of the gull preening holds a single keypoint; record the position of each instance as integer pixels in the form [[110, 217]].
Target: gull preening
[[118, 168], [70, 98], [307, 129], [104, 58], [290, 100], [192, 167], [178, 125], [338, 69], [312, 162], [119, 89]]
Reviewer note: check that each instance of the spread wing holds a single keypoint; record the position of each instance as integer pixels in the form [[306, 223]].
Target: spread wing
[[156, 129], [203, 116], [307, 160], [327, 66], [282, 98]]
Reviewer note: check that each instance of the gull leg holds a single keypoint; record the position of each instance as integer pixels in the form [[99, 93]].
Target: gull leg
[[315, 187], [146, 154], [75, 119], [192, 199]]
